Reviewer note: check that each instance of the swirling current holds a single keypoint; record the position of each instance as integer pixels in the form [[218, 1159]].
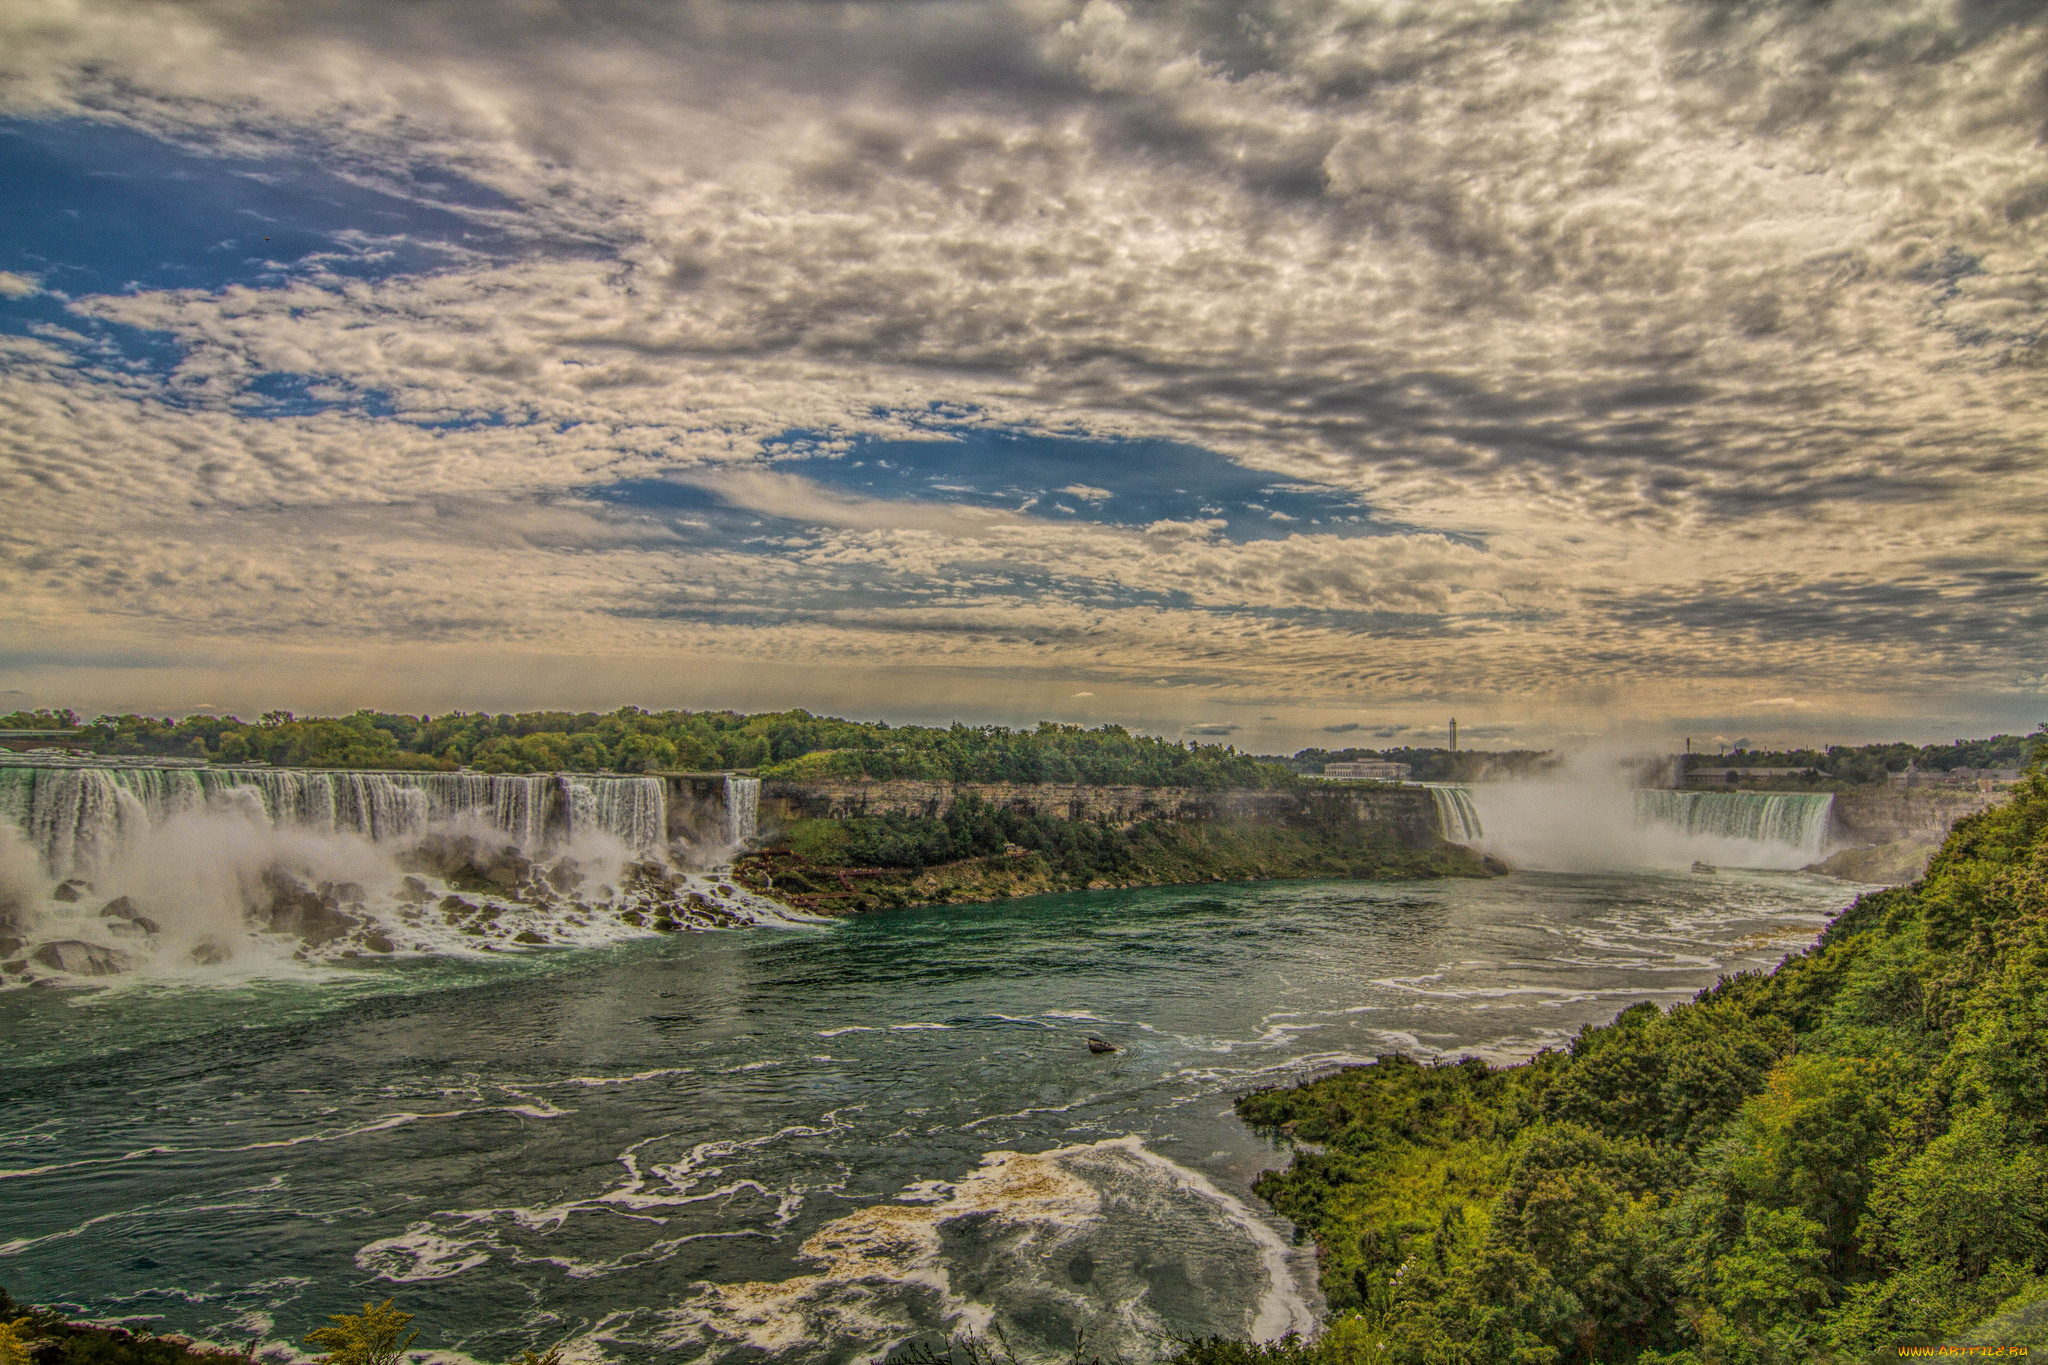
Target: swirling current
[[800, 1142]]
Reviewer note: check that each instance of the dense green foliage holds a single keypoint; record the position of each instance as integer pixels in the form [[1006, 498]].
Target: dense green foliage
[[776, 744], [1834, 765], [39, 720], [970, 828], [984, 852], [1844, 764], [375, 1336], [1818, 1164]]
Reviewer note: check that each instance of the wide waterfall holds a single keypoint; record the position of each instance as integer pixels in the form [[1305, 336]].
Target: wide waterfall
[[76, 816], [742, 809], [1795, 819], [110, 867], [1581, 822]]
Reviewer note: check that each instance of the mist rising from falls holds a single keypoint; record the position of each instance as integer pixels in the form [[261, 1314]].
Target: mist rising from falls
[[1589, 816], [111, 869]]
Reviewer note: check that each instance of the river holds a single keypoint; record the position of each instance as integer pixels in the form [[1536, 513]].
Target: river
[[808, 1142]]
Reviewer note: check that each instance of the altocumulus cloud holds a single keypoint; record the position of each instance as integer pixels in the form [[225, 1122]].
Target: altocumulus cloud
[[1557, 359]]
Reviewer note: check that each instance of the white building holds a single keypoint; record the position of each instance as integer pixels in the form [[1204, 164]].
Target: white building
[[1372, 769]]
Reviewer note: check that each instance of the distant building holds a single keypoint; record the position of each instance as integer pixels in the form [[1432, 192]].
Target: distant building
[[1372, 769], [31, 741]]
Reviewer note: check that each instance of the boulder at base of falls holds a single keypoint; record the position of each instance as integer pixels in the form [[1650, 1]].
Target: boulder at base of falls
[[207, 953], [123, 912], [294, 909], [508, 869], [70, 892], [80, 958]]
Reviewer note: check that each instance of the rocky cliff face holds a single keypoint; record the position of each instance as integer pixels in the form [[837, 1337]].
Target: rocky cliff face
[[1406, 813], [1886, 815], [1886, 836]]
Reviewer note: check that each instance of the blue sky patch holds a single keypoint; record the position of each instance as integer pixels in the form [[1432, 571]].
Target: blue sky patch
[[1068, 478], [93, 208], [1050, 478]]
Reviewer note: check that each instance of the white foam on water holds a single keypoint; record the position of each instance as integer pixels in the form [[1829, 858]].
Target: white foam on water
[[888, 1271], [593, 1082], [874, 1261], [1282, 1308], [452, 1242], [419, 1255]]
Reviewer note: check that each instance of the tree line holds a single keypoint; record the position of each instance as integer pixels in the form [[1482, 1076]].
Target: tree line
[[1874, 762], [793, 744]]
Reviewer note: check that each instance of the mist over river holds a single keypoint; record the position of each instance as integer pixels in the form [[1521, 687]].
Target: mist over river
[[806, 1141]]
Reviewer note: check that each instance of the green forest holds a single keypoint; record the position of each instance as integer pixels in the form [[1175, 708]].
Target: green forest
[[776, 744], [1817, 1164], [1840, 763], [797, 744]]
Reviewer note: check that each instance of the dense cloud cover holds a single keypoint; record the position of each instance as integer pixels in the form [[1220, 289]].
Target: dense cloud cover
[[1278, 365]]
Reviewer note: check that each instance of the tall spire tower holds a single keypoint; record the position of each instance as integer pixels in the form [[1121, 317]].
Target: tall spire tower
[[1454, 734]]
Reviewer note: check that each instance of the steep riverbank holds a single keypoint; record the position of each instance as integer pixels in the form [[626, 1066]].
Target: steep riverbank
[[828, 866], [1887, 836], [1825, 1162], [841, 847]]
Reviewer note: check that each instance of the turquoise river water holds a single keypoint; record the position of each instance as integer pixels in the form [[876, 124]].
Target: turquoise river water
[[803, 1143]]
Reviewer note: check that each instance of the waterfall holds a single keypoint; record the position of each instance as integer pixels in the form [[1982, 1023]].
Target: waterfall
[[132, 866], [1592, 819], [76, 817], [742, 809], [1798, 819], [1457, 819], [633, 810]]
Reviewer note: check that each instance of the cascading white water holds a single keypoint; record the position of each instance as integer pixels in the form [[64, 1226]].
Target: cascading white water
[[76, 817], [633, 810], [1457, 819], [115, 867], [742, 809], [1795, 819], [1582, 821]]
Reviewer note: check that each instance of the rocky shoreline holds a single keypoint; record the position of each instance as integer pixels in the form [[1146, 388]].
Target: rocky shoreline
[[44, 1336]]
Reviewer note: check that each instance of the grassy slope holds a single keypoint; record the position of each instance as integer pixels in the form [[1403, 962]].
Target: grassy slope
[[1818, 1164]]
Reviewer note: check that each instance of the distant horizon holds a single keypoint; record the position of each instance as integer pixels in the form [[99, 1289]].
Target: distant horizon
[[1348, 739]]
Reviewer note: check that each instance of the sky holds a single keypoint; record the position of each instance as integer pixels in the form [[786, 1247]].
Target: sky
[[1291, 371]]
